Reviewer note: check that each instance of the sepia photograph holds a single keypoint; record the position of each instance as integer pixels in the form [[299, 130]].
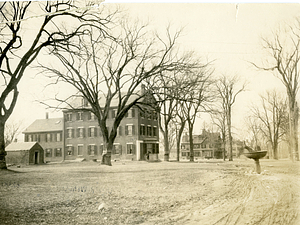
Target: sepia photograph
[[131, 112]]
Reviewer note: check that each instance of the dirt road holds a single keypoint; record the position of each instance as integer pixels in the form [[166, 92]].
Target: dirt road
[[207, 193], [272, 197]]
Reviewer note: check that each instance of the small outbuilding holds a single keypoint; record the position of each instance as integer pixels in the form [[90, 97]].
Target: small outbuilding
[[24, 153]]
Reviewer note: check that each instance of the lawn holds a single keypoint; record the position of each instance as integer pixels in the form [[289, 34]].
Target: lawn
[[208, 192]]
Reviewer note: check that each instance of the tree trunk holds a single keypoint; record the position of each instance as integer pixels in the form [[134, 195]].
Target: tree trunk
[[224, 150], [275, 151], [166, 144], [2, 147], [229, 135], [106, 155], [178, 139], [191, 143], [293, 120]]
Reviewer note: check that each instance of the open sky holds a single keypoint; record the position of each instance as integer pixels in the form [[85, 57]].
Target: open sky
[[228, 33]]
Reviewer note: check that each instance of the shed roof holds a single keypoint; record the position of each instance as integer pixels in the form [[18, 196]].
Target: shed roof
[[45, 125], [17, 146]]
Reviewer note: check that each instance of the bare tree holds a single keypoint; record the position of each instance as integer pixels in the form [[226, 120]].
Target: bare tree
[[283, 62], [168, 89], [253, 127], [271, 116], [197, 97], [103, 70], [12, 130], [17, 55], [228, 89]]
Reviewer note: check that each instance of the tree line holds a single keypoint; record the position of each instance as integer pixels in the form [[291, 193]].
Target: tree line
[[105, 56]]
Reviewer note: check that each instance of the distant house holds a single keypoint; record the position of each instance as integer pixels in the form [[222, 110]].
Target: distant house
[[206, 145], [49, 134], [24, 153]]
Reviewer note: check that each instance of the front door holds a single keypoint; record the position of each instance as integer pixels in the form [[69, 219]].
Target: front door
[[36, 158]]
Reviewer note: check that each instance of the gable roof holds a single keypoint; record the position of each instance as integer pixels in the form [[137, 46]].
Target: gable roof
[[45, 125], [17, 146]]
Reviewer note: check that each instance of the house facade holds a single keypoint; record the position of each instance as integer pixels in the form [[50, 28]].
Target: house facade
[[49, 134], [137, 135], [207, 145]]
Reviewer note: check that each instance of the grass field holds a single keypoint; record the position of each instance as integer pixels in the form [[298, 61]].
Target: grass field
[[208, 192]]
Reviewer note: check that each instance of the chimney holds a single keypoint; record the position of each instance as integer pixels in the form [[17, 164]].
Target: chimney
[[47, 115]]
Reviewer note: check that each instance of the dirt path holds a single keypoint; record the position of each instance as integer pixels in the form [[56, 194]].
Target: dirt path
[[249, 199]]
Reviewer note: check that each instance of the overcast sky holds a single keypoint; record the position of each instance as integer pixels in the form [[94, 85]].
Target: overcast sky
[[228, 33]]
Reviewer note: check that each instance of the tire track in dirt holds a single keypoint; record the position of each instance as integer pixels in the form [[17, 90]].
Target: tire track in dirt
[[248, 199]]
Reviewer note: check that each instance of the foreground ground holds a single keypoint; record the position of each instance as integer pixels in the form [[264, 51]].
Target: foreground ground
[[208, 192]]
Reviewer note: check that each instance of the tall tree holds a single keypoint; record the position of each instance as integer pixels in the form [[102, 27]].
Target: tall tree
[[105, 70], [19, 48], [228, 89], [168, 91], [271, 114], [197, 97], [283, 62]]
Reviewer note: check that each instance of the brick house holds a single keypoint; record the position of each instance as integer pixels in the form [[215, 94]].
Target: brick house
[[207, 145], [137, 135], [49, 134]]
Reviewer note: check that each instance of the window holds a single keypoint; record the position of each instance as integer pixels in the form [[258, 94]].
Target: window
[[155, 115], [58, 137], [92, 149], [183, 153], [30, 138], [58, 152], [129, 130], [149, 131], [80, 132], [36, 137], [79, 115], [48, 152], [130, 113], [69, 117], [101, 149], [70, 150], [130, 148], [91, 116], [142, 129], [148, 115], [48, 137], [80, 150], [117, 149], [92, 132], [84, 102], [154, 131], [113, 113], [156, 148], [196, 146], [197, 153], [70, 133], [119, 131], [142, 114]]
